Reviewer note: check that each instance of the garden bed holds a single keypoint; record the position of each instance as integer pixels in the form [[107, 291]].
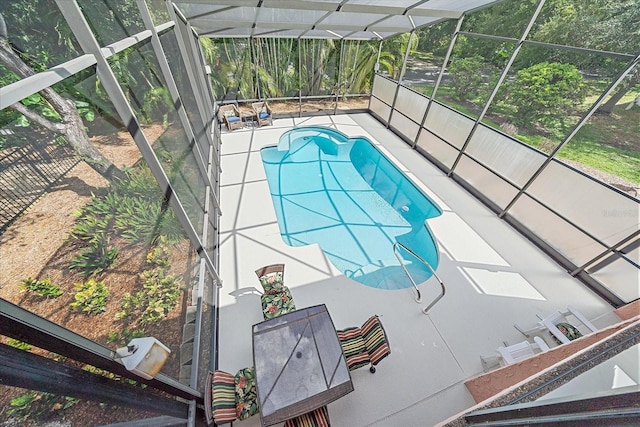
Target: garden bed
[[37, 246]]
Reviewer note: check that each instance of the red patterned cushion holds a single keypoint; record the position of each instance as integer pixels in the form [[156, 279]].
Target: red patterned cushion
[[354, 348], [272, 283], [277, 304], [246, 397], [375, 339], [316, 418]]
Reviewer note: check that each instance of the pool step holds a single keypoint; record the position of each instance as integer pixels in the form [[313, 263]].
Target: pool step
[[389, 274]]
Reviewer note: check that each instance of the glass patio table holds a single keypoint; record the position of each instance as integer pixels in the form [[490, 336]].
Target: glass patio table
[[299, 364]]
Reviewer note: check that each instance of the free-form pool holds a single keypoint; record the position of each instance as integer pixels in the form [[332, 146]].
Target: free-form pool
[[345, 195]]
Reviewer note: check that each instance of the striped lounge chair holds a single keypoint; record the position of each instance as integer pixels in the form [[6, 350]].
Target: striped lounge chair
[[375, 339], [354, 348], [365, 345]]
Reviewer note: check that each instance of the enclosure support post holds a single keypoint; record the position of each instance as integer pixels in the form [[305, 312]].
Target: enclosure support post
[[404, 67], [439, 79]]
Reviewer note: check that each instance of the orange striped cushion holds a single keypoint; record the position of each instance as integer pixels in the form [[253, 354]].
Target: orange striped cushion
[[375, 340], [316, 418], [223, 397]]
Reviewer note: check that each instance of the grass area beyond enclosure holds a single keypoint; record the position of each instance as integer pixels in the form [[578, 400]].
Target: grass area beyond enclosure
[[607, 142]]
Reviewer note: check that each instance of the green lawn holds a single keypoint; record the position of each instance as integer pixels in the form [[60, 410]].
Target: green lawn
[[610, 143]]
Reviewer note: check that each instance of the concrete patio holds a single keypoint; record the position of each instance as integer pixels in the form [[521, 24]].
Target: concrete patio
[[494, 278]]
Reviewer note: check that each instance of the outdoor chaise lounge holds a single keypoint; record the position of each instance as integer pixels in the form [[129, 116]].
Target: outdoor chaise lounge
[[365, 345], [315, 418]]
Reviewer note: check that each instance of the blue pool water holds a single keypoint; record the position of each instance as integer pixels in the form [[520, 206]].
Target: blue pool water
[[345, 195]]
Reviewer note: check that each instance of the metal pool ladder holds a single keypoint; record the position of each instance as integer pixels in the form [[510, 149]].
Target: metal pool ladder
[[413, 282]]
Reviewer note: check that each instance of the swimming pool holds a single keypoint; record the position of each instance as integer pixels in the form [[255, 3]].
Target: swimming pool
[[345, 195]]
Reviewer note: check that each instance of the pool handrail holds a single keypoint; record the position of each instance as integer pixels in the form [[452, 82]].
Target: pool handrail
[[413, 282]]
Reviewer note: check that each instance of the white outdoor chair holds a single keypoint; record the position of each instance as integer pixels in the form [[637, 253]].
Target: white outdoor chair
[[522, 350], [509, 354], [557, 320]]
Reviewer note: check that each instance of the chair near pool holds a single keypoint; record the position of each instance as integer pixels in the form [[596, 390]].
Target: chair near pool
[[276, 299], [263, 113], [230, 114]]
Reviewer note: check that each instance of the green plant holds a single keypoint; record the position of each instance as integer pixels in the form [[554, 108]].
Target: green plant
[[545, 92], [468, 77], [42, 288], [91, 297], [159, 295], [156, 104], [113, 336], [32, 405], [159, 254], [96, 257], [20, 405], [126, 335], [18, 344]]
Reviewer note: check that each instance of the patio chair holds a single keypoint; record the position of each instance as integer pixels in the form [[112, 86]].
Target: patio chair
[[563, 331], [375, 339], [509, 354], [522, 350], [365, 345], [263, 113], [232, 397], [559, 327], [277, 299], [230, 114], [220, 398], [354, 348], [316, 418]]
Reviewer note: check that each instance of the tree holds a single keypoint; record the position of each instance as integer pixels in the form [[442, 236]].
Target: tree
[[632, 80], [469, 76], [545, 91], [70, 124]]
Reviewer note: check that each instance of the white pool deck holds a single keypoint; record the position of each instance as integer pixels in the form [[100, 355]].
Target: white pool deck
[[494, 278]]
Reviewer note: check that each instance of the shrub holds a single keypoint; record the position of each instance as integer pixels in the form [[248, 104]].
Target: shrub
[[159, 295], [158, 256], [133, 208], [545, 92], [96, 257], [18, 344], [33, 405], [42, 288], [91, 297], [469, 76]]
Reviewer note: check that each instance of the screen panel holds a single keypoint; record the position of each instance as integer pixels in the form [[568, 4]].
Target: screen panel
[[405, 126], [574, 244], [411, 104], [384, 89], [440, 150], [515, 162], [449, 125], [590, 205], [489, 184]]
